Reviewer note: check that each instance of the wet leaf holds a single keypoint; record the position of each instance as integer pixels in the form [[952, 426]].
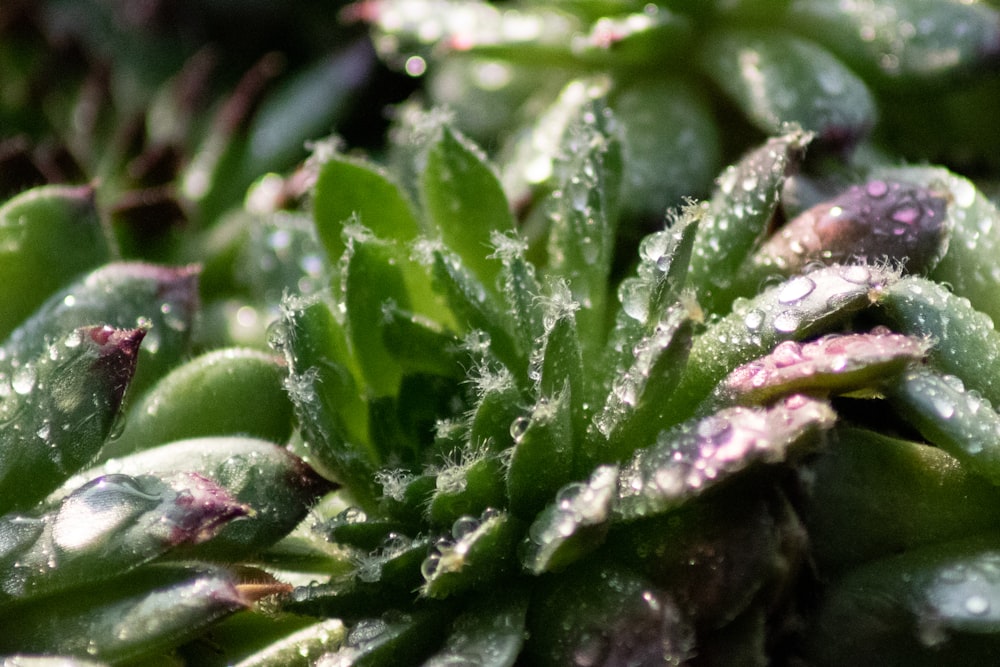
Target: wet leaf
[[59, 408], [872, 496], [938, 604], [959, 421], [738, 216], [278, 487], [703, 453], [465, 203], [107, 527], [489, 633], [904, 43], [480, 551], [55, 227], [146, 611], [776, 78], [835, 364], [234, 390], [392, 640], [543, 455]]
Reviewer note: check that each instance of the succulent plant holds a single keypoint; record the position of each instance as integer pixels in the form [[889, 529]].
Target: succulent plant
[[429, 410]]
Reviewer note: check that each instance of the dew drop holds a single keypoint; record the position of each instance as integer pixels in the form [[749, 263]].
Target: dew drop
[[796, 289], [944, 408], [877, 189], [787, 321], [754, 319], [977, 605], [857, 274], [23, 380], [518, 427]]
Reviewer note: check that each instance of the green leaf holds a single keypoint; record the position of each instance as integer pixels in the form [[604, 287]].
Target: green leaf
[[606, 611], [223, 392], [777, 78], [394, 640], [465, 203], [670, 144], [151, 609], [957, 420], [277, 485], [48, 236], [348, 189], [489, 633], [107, 527], [162, 300], [480, 553], [543, 456], [904, 44], [574, 525], [966, 343], [873, 496], [935, 605], [584, 216], [326, 388], [468, 488], [739, 213], [798, 308], [58, 410]]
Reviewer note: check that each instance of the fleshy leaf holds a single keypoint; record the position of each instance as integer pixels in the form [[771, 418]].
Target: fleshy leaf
[[880, 221], [59, 408], [738, 216], [957, 420], [831, 364], [904, 43], [800, 307], [465, 203], [872, 496], [776, 78], [145, 611], [489, 633], [480, 551], [543, 456], [703, 453], [277, 486], [107, 527], [55, 227], [233, 390], [938, 604], [347, 189]]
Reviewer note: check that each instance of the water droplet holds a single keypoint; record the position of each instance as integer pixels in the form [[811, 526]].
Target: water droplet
[[754, 319], [944, 407], [977, 605], [796, 289], [518, 427], [23, 380], [787, 321], [857, 274], [464, 526], [877, 188]]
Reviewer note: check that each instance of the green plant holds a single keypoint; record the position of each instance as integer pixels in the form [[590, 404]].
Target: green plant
[[472, 438]]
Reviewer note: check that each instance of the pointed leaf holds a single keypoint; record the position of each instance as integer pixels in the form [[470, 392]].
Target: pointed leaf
[[489, 633], [480, 553], [348, 189], [699, 454], [778, 78], [738, 216], [59, 409], [465, 203], [107, 527], [277, 486], [146, 611], [543, 455]]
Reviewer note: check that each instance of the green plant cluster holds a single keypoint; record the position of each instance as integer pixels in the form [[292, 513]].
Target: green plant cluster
[[427, 410]]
